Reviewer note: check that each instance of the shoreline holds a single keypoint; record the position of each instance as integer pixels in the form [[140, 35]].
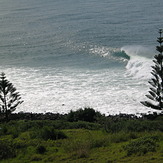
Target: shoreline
[[58, 116]]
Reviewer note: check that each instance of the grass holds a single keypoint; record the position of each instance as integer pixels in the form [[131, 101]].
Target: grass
[[61, 141]]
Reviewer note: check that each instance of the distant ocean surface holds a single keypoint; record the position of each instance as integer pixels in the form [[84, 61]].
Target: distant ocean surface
[[63, 55]]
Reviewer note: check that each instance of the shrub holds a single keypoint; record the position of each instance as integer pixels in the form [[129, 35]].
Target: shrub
[[40, 149], [3, 130], [79, 148], [141, 125], [36, 157], [49, 133], [9, 129], [137, 125], [19, 143], [85, 125], [114, 127], [142, 145], [14, 132], [100, 142], [25, 136], [7, 149], [119, 137], [86, 114]]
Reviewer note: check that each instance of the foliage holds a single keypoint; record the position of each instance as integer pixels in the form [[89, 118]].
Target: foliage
[[142, 145], [86, 114], [50, 133], [9, 97], [64, 141], [33, 143], [78, 148], [40, 149], [7, 149], [133, 125], [156, 90]]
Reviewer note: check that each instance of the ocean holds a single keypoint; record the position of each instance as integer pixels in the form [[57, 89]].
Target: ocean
[[70, 54]]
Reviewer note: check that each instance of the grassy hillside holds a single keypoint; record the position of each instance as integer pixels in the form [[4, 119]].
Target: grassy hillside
[[104, 141]]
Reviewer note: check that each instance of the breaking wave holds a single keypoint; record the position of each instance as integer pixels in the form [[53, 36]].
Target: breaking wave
[[137, 59], [139, 65], [114, 54]]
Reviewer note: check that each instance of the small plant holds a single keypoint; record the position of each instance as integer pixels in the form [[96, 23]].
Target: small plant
[[142, 145]]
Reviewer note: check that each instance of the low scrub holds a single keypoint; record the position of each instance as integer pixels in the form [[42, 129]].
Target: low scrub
[[137, 125], [40, 149], [78, 148], [142, 145], [7, 149], [86, 114], [50, 133]]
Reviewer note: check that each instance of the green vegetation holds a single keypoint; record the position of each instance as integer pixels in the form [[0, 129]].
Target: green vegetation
[[86, 114], [105, 140], [156, 90], [142, 145], [9, 98]]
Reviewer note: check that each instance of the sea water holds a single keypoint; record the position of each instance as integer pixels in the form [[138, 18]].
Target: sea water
[[70, 54]]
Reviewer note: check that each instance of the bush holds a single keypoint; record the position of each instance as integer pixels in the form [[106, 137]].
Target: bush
[[79, 148], [137, 125], [142, 145], [142, 125], [100, 142], [85, 125], [114, 127], [49, 133], [36, 157], [40, 149], [19, 143], [3, 130], [119, 137], [86, 114], [7, 149]]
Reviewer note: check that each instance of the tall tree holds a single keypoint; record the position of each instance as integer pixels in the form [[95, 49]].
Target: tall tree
[[9, 97], [156, 90]]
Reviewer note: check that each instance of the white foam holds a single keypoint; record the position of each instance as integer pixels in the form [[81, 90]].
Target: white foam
[[59, 90], [139, 65]]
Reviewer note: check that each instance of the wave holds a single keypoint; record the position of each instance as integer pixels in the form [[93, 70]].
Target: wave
[[113, 54], [138, 58], [139, 65]]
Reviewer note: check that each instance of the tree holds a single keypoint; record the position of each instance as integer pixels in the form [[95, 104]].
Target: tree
[[156, 90], [9, 97]]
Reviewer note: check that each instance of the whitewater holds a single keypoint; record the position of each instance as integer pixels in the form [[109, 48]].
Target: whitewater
[[66, 55]]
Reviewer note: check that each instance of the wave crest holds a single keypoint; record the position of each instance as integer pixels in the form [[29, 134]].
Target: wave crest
[[139, 65], [115, 54], [138, 58]]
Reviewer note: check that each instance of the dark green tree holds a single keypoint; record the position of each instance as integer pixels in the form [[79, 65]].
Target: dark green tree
[[9, 97], [156, 90]]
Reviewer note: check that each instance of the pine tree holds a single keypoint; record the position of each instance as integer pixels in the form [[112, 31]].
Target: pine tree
[[156, 90], [9, 97]]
